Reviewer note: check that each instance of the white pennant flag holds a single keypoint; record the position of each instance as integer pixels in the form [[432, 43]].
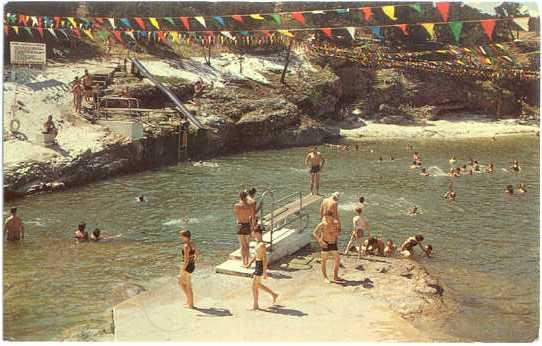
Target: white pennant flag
[[201, 20], [228, 35], [34, 21], [52, 33], [352, 32], [131, 34], [523, 23], [112, 22]]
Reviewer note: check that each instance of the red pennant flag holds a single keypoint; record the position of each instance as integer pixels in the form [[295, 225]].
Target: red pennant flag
[[161, 35], [140, 22], [266, 33], [326, 31], [117, 35], [403, 27], [40, 24], [76, 32], [40, 30], [237, 18], [185, 22], [298, 16], [6, 29], [443, 8], [367, 12], [57, 21], [99, 20], [488, 25]]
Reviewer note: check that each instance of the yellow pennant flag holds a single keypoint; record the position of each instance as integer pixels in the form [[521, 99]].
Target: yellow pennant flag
[[499, 45], [460, 62], [430, 28], [154, 22], [256, 16], [72, 22], [286, 33], [389, 11], [88, 33], [175, 35], [488, 61]]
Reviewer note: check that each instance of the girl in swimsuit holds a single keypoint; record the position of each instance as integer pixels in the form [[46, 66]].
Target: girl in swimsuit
[[190, 254], [260, 271]]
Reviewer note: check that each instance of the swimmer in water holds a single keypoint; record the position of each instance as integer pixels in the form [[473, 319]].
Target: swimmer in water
[[515, 166], [97, 236], [416, 157], [450, 194], [80, 234], [413, 211], [457, 172], [424, 172], [452, 160], [260, 272], [361, 203], [190, 254], [476, 166], [13, 227], [141, 199], [451, 172], [521, 188], [509, 189], [413, 165], [490, 168], [428, 250], [389, 250]]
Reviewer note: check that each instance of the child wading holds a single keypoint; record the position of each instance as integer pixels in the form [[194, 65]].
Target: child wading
[[190, 255]]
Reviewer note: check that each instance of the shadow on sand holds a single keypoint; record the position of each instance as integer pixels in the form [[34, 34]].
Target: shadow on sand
[[367, 283], [213, 312], [279, 309]]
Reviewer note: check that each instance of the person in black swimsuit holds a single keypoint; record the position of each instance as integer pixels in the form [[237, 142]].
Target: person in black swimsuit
[[190, 255], [260, 270], [316, 161]]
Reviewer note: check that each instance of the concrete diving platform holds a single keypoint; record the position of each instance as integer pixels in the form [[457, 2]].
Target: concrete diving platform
[[287, 234]]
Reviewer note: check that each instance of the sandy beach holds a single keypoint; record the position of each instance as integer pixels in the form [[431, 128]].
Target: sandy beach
[[378, 300]]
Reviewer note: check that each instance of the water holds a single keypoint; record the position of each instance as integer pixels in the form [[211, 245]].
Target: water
[[486, 244]]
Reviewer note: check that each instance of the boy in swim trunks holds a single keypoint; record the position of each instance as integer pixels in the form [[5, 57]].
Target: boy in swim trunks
[[244, 214], [190, 255], [13, 227], [316, 161], [327, 233], [260, 270]]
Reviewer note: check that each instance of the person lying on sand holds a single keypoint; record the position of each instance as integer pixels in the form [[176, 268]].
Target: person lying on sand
[[326, 234], [521, 188], [373, 246], [424, 173], [389, 250], [407, 248], [260, 271]]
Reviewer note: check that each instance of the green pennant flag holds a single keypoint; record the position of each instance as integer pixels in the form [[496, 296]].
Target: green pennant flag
[[276, 18], [169, 20], [456, 27], [416, 7]]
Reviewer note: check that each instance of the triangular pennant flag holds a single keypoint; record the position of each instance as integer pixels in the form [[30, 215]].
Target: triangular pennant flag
[[139, 21], [443, 8], [456, 28], [130, 34], [29, 31], [286, 33], [276, 18], [52, 32], [184, 20], [403, 28], [237, 18], [298, 16], [89, 34], [523, 23], [201, 20], [34, 20], [170, 21], [126, 22], [219, 20], [326, 31], [57, 22], [416, 7], [64, 33], [352, 32], [376, 31], [227, 34], [154, 22], [23, 19], [117, 35], [256, 16], [488, 25], [6, 29], [72, 22], [16, 29], [389, 11], [430, 28], [244, 33], [367, 12], [40, 31], [112, 22], [76, 32], [161, 35]]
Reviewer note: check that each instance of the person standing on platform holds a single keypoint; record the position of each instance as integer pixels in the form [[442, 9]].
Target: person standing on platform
[[244, 215], [316, 161]]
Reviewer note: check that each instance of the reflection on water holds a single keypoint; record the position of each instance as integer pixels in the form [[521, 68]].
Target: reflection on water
[[486, 244]]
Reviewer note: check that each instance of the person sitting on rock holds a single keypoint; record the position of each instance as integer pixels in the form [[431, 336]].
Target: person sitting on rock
[[389, 250], [407, 248], [199, 87]]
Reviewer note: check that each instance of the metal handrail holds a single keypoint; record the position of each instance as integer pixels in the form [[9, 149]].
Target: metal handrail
[[264, 194]]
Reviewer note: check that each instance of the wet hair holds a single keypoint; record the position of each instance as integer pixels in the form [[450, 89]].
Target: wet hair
[[96, 232], [358, 210], [429, 247], [389, 241], [13, 210], [185, 233], [141, 198], [252, 191], [362, 199], [82, 225], [419, 237], [243, 195]]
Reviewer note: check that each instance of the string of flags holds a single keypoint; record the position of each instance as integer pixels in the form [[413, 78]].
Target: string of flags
[[245, 36]]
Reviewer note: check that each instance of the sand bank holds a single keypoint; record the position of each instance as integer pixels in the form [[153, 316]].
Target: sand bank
[[375, 303]]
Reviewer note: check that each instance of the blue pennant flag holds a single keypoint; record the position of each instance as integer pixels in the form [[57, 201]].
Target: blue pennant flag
[[126, 22], [244, 33], [376, 31], [219, 20]]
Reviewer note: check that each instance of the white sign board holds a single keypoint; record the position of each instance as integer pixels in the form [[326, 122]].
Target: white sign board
[[27, 53]]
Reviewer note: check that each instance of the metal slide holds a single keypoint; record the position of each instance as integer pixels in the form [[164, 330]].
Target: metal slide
[[180, 107]]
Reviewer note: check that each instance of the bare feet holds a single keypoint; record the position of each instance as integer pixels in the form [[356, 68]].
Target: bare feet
[[327, 281], [254, 308], [275, 296], [338, 279]]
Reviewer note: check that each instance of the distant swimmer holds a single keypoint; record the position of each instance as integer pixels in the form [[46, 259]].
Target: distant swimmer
[[450, 194], [190, 254], [360, 204], [13, 227], [476, 166], [331, 204], [260, 272], [428, 250], [407, 248], [97, 236], [141, 199], [452, 160], [413, 211], [80, 234], [244, 215], [417, 158], [509, 189], [490, 168], [515, 166], [389, 250], [316, 162], [521, 188], [424, 172], [360, 226], [327, 233]]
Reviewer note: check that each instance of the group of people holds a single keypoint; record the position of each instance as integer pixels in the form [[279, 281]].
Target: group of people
[[81, 235], [82, 87]]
